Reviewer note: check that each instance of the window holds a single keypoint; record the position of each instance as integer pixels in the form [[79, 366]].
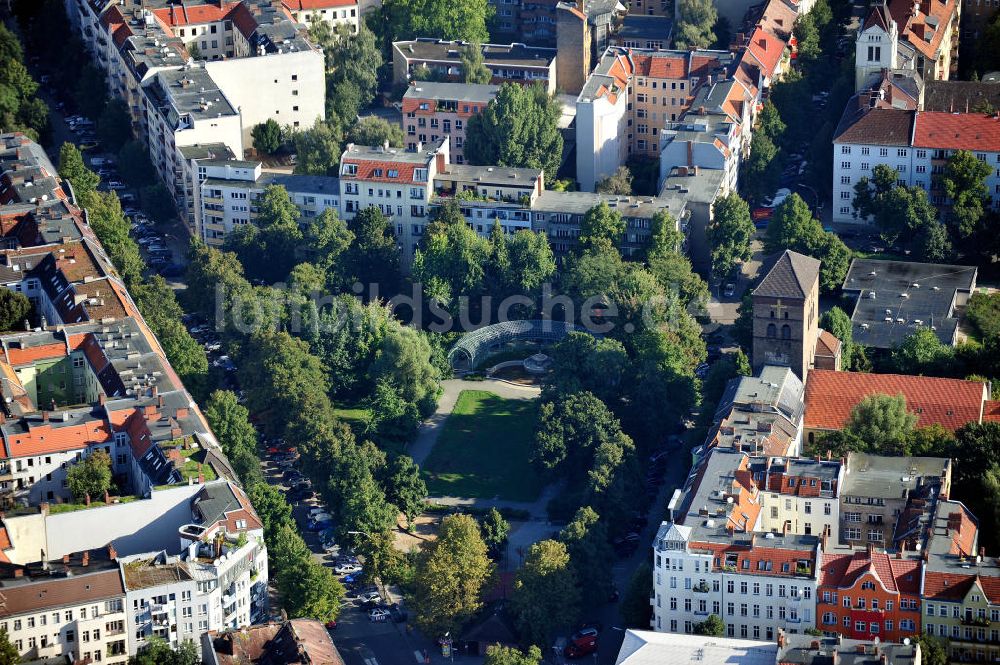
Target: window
[[845, 165], [883, 152], [845, 150]]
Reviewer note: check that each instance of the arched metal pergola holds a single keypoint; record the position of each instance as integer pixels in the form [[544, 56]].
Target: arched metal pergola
[[473, 347]]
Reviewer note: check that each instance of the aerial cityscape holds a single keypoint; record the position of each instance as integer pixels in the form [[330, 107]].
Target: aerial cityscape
[[499, 332]]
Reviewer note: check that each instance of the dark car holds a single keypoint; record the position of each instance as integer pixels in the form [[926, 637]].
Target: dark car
[[397, 613]]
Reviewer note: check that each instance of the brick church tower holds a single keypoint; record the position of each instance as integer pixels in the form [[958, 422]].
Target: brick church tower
[[786, 314]]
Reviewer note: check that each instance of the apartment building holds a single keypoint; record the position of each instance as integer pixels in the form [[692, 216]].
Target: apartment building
[[397, 182], [87, 374], [207, 571], [760, 415], [432, 111], [189, 178], [509, 63], [335, 12], [630, 97], [229, 191], [256, 64], [917, 144], [217, 582], [185, 107], [918, 36], [959, 592], [799, 494], [869, 594], [708, 560], [878, 491], [70, 610], [699, 188]]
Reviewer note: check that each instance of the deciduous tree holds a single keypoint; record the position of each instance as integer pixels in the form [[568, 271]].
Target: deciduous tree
[[545, 597], [730, 233], [519, 128], [267, 135], [451, 574], [90, 477], [474, 69], [696, 20]]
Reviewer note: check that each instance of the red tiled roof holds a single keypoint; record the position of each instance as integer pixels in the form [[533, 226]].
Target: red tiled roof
[[991, 411], [661, 66], [766, 49], [831, 396], [366, 170], [181, 15], [844, 571], [43, 438], [957, 131], [954, 586], [301, 5], [827, 344], [35, 353], [915, 28], [776, 556]]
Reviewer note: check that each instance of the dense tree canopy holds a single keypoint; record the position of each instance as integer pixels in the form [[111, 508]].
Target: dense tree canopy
[[546, 597], [451, 575], [518, 128], [730, 233]]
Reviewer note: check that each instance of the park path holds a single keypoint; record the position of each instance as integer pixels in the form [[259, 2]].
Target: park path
[[431, 428]]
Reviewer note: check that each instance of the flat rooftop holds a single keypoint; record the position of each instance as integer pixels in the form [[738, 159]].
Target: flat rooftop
[[637, 27], [897, 298], [500, 176], [694, 184], [885, 477], [459, 92], [191, 92], [441, 50], [578, 203]]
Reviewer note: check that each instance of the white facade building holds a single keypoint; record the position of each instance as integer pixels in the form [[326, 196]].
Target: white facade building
[[916, 144], [708, 560], [602, 116], [70, 609]]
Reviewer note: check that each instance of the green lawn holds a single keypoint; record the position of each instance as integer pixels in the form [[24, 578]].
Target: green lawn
[[483, 450]]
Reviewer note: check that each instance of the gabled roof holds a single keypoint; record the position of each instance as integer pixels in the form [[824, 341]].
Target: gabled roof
[[791, 275], [957, 131], [951, 403], [827, 344], [879, 16], [844, 571], [877, 126]]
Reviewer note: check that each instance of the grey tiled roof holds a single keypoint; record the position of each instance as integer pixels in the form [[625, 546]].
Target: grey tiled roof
[[791, 275]]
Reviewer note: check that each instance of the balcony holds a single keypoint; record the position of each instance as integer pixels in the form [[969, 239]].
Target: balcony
[[701, 588], [982, 622]]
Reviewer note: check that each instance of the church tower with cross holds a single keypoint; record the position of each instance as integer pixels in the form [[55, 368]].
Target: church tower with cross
[[786, 314]]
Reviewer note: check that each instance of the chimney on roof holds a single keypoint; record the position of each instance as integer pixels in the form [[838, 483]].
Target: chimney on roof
[[45, 416], [66, 559], [86, 558], [112, 552], [870, 549], [823, 539], [762, 43], [159, 399], [860, 648], [784, 527], [782, 640], [18, 572]]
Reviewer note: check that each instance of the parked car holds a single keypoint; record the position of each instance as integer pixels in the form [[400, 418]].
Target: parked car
[[729, 290], [398, 613], [329, 546], [370, 596], [378, 614], [779, 197], [331, 624], [319, 526], [581, 648], [316, 511], [347, 568]]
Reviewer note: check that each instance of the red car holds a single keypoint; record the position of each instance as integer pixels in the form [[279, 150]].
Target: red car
[[581, 647]]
